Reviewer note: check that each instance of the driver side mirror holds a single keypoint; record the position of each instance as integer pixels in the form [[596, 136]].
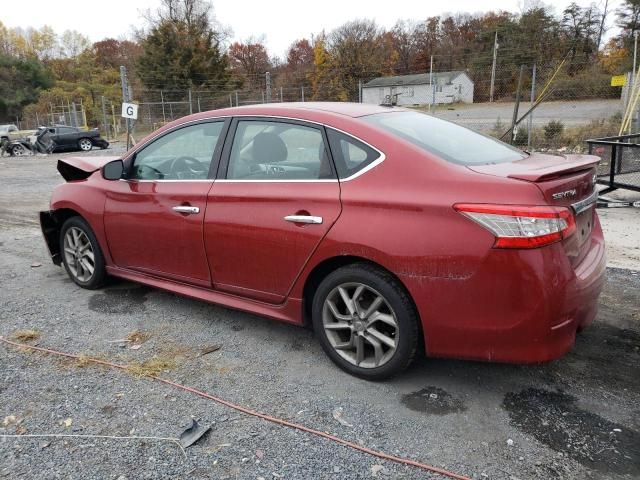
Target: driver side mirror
[[113, 170]]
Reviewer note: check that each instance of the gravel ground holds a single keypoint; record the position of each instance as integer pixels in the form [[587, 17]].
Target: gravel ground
[[575, 418]]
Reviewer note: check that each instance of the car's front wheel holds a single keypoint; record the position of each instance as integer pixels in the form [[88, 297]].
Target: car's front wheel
[[81, 254], [365, 321], [85, 144]]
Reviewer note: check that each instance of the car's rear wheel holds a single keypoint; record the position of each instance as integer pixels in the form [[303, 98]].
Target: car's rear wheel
[[85, 144], [18, 150], [366, 322], [81, 254]]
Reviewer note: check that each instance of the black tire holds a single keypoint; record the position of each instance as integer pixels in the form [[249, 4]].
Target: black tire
[[99, 273], [408, 332]]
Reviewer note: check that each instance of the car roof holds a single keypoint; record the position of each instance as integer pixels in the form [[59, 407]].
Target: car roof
[[323, 112], [341, 108], [302, 110]]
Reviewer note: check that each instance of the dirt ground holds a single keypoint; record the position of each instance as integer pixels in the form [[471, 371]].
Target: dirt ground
[[574, 418]]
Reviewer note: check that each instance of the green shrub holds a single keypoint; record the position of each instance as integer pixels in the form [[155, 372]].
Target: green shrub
[[553, 130]]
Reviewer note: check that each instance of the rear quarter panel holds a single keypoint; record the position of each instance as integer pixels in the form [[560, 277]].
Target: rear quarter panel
[[400, 215]]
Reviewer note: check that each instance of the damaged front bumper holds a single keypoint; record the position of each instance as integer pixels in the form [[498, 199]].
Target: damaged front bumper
[[51, 233]]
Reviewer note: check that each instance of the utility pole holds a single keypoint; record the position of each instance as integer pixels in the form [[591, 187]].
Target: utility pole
[[190, 104], [431, 83], [302, 91], [267, 77], [359, 91], [634, 115], [126, 91], [104, 119], [164, 116], [493, 66], [533, 98], [514, 127]]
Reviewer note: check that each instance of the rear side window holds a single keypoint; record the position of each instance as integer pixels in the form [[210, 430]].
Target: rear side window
[[350, 155], [273, 150], [447, 140]]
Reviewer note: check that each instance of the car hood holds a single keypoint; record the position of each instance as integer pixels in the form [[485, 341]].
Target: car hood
[[79, 168]]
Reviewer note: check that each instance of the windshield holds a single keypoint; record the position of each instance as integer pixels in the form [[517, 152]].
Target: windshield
[[447, 140]]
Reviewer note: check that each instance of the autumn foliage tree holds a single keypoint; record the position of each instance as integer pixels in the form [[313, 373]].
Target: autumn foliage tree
[[250, 59]]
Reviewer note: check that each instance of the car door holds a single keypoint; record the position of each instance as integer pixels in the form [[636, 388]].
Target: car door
[[275, 198], [65, 137], [154, 217]]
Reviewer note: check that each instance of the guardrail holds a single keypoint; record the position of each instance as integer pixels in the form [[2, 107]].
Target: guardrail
[[620, 164]]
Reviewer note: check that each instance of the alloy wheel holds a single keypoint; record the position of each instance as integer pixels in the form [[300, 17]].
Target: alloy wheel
[[19, 150], [79, 254], [85, 144], [360, 325]]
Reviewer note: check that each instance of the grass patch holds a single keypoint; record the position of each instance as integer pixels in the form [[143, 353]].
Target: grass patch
[[138, 337], [26, 335], [151, 367]]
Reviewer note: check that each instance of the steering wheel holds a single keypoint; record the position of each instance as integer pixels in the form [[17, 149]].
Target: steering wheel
[[189, 165]]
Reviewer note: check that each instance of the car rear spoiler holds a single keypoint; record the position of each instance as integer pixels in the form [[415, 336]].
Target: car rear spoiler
[[539, 167]]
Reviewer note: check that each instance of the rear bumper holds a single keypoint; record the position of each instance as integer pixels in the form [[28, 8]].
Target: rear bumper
[[517, 306]]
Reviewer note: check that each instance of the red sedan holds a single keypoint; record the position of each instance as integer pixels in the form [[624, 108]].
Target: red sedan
[[389, 231]]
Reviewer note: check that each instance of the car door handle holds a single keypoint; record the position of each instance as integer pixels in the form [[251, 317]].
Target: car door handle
[[303, 219], [185, 209]]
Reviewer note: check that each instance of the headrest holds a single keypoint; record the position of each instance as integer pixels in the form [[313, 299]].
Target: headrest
[[268, 148]]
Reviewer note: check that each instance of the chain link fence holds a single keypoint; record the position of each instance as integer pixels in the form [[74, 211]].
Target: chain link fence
[[575, 108]]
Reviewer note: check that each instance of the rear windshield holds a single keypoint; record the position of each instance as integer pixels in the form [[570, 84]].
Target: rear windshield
[[447, 140]]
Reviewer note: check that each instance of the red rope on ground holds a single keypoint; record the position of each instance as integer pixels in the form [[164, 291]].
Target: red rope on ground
[[248, 411]]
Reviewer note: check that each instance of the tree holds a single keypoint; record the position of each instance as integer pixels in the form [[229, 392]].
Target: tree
[[21, 81], [249, 59], [628, 16], [628, 19], [323, 82], [111, 53], [182, 49], [581, 30], [73, 43], [300, 55], [356, 53]]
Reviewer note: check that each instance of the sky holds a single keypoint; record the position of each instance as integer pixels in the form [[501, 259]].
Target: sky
[[281, 22]]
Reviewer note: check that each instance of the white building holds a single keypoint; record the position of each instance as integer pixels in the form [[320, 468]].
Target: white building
[[448, 87]]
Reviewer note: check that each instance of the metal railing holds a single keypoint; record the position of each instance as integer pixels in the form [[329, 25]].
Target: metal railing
[[620, 165]]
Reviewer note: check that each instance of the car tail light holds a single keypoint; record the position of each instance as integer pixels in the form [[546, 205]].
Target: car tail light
[[516, 226]]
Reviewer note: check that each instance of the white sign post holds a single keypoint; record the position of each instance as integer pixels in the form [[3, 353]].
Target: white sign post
[[130, 110]]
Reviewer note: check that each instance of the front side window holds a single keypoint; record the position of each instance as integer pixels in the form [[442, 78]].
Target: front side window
[[184, 154], [269, 150], [447, 140], [350, 155]]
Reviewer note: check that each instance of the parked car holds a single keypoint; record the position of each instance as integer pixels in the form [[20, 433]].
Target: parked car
[[71, 138], [389, 231], [54, 139], [10, 132]]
